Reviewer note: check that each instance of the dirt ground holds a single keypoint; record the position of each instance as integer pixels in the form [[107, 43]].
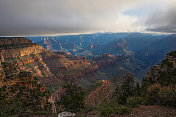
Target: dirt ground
[[142, 111], [150, 111]]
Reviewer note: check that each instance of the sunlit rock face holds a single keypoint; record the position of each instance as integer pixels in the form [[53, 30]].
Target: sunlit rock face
[[41, 62], [14, 47]]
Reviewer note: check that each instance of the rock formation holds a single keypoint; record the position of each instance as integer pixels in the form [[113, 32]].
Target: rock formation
[[32, 57]]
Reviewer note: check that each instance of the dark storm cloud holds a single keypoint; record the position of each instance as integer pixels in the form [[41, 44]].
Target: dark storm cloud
[[163, 19], [30, 17], [65, 16], [38, 16]]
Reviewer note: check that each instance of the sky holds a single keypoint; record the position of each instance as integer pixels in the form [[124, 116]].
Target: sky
[[49, 17]]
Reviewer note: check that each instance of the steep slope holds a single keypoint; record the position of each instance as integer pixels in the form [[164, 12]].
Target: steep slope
[[101, 93], [20, 92]]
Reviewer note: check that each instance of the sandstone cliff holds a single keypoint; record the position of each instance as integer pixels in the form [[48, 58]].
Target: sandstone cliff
[[43, 63], [15, 47], [14, 40]]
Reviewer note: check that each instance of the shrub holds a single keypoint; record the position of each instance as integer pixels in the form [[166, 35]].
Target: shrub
[[42, 113], [120, 109], [113, 108], [125, 109], [165, 95], [107, 111], [152, 94], [135, 101]]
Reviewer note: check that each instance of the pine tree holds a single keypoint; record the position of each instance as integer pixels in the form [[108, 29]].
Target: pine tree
[[137, 90], [126, 89], [73, 99]]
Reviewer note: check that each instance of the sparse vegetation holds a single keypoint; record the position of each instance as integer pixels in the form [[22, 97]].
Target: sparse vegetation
[[24, 96]]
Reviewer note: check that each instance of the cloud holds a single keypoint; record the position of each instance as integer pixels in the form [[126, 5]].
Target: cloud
[[163, 19], [30, 17]]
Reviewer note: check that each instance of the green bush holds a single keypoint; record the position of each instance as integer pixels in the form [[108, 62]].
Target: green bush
[[125, 109], [42, 113], [165, 95], [120, 109], [107, 111], [113, 108], [135, 101]]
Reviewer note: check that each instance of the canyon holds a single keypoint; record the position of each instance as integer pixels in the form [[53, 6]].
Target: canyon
[[42, 72], [138, 51]]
